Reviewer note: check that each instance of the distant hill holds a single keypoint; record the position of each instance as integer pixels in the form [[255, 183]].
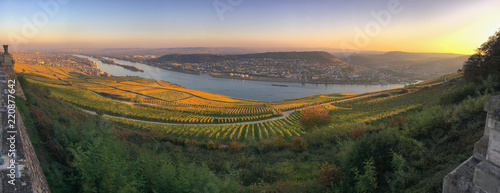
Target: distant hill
[[120, 52], [400, 58], [419, 65], [183, 50], [157, 52], [315, 56]]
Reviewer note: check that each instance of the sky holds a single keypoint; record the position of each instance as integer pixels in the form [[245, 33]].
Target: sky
[[446, 26]]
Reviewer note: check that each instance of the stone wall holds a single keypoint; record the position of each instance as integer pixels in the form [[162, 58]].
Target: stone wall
[[25, 155], [9, 74], [481, 172], [32, 178], [38, 180]]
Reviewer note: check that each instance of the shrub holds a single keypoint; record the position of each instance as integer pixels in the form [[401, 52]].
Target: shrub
[[299, 144], [120, 133], [234, 146], [374, 152], [265, 145], [279, 143], [397, 121], [330, 174], [458, 95], [398, 178], [100, 112], [137, 99], [157, 134], [190, 143], [281, 186], [367, 182], [356, 133], [212, 145], [314, 117], [384, 95], [403, 91], [423, 122]]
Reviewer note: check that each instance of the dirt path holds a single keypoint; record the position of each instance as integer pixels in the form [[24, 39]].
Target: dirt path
[[284, 114]]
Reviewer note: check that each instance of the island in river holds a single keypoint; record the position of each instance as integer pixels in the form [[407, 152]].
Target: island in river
[[112, 62]]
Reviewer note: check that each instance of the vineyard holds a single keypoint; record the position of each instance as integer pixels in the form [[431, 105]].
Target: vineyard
[[165, 108], [287, 128], [152, 100]]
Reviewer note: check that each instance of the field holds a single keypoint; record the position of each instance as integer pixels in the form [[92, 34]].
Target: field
[[169, 109]]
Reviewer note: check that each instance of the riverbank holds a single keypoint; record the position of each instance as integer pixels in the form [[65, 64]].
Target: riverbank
[[262, 90], [270, 79], [237, 76]]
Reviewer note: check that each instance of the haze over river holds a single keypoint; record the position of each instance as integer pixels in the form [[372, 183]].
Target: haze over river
[[247, 89]]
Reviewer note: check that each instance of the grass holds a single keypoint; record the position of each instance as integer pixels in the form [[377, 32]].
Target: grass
[[441, 79]]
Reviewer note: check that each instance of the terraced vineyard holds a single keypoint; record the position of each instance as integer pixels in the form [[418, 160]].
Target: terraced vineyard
[[169, 109], [287, 128]]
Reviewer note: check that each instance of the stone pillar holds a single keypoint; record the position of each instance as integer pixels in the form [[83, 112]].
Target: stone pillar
[[481, 172]]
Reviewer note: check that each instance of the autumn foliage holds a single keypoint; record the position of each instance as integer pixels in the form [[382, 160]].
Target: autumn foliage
[[314, 117], [330, 174], [234, 147], [299, 144], [357, 133], [398, 121], [212, 145]]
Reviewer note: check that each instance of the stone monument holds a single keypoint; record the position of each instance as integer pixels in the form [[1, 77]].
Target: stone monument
[[5, 58], [481, 172], [6, 49]]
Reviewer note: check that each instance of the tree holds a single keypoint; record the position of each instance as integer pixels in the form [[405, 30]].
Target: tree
[[299, 144], [367, 182], [398, 121], [330, 174], [357, 133], [378, 148], [212, 145], [397, 179], [473, 68], [486, 60], [314, 117], [234, 146]]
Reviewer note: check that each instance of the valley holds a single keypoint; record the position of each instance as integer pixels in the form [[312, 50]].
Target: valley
[[258, 140], [294, 145], [234, 96], [149, 105]]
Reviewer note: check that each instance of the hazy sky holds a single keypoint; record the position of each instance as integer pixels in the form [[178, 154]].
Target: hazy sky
[[457, 26]]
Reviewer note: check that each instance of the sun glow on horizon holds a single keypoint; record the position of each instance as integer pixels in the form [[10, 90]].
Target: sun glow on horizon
[[446, 26]]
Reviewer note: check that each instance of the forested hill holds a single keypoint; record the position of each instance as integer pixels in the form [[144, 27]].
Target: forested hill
[[315, 56], [406, 64]]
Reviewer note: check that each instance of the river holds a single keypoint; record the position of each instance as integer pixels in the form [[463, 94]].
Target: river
[[246, 89]]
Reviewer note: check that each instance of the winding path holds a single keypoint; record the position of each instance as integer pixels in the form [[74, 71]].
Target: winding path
[[284, 114]]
